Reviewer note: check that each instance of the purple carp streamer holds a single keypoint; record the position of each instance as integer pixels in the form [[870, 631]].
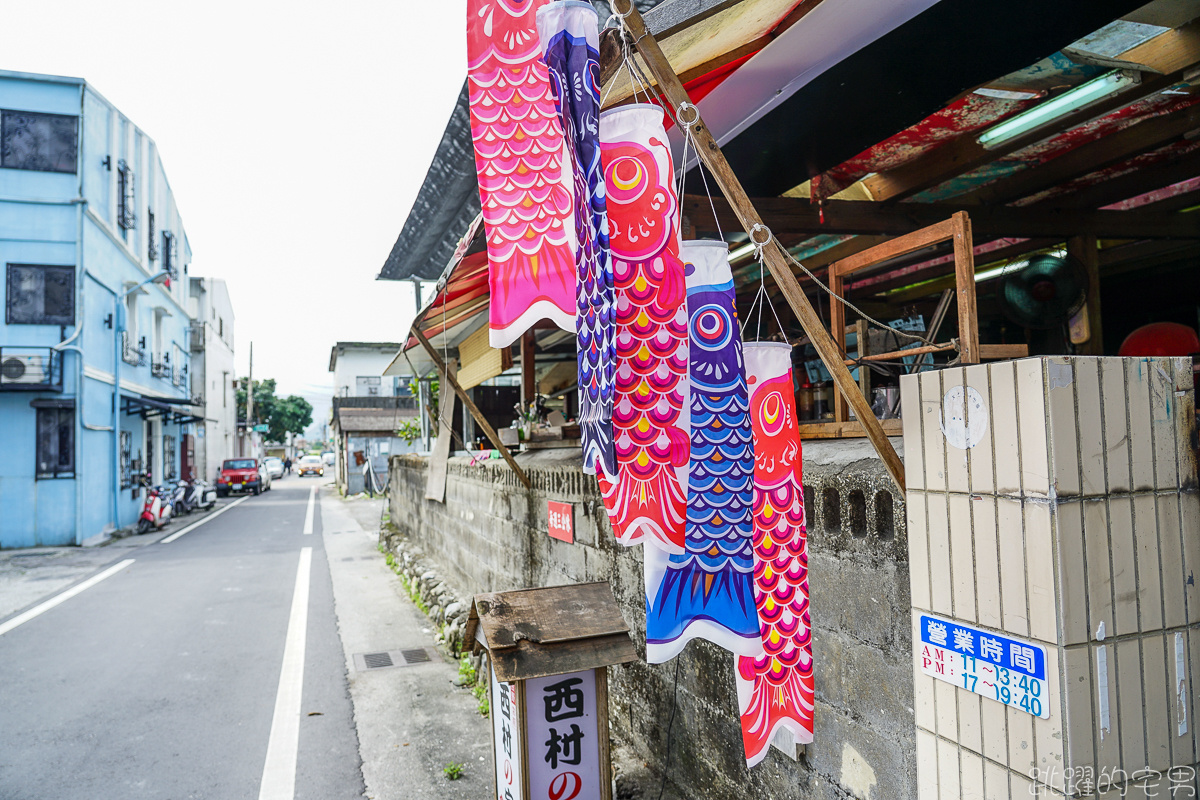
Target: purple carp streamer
[[570, 42]]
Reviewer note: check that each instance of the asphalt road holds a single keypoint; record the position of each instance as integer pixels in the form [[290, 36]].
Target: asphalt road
[[163, 680]]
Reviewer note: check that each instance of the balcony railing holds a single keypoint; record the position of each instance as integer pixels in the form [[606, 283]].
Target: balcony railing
[[130, 352], [26, 369], [160, 368], [179, 378]]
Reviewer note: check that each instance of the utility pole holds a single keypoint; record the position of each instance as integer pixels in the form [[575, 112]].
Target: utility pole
[[250, 403]]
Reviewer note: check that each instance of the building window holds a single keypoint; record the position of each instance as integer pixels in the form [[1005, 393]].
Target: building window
[[169, 472], [126, 459], [126, 216], [40, 295], [169, 254], [151, 243], [368, 385], [41, 142], [55, 442]]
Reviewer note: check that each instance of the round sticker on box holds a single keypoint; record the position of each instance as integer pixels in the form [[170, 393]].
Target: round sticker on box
[[964, 417]]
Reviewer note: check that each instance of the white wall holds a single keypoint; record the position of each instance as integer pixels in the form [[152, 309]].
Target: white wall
[[213, 308], [354, 363]]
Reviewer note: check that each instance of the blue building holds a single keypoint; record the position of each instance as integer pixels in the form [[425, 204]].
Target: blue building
[[96, 336]]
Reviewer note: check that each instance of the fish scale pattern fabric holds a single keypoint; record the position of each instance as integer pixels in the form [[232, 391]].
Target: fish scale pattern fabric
[[524, 172], [570, 40], [775, 688], [708, 590], [645, 499]]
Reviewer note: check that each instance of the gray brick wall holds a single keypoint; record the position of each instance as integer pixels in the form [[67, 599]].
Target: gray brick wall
[[491, 535]]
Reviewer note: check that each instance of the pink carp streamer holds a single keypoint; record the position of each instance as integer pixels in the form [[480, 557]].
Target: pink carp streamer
[[524, 176], [775, 689], [646, 499]]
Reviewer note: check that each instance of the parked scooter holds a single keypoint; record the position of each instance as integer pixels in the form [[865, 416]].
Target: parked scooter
[[177, 492], [199, 494], [156, 512]]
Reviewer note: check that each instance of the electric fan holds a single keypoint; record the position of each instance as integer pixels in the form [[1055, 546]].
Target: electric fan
[[1045, 292]]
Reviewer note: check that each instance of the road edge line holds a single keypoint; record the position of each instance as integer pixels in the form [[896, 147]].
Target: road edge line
[[308, 516], [283, 744], [198, 523], [63, 597]]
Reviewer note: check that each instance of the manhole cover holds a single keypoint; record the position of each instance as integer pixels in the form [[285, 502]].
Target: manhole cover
[[386, 659]]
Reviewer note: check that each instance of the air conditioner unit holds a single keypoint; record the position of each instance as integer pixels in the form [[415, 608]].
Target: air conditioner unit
[[25, 369]]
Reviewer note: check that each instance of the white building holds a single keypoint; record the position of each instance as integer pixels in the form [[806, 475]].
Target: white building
[[358, 367], [213, 379]]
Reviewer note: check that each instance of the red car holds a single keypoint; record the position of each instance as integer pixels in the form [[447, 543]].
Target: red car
[[240, 475]]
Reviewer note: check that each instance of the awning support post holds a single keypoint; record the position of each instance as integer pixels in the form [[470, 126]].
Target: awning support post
[[469, 404], [709, 152]]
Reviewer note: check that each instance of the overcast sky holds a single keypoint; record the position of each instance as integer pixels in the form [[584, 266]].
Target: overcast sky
[[295, 137]]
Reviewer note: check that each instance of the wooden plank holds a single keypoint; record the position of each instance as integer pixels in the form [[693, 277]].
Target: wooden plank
[[794, 216], [845, 430], [528, 660], [1084, 249], [964, 279], [1168, 52], [895, 248], [1003, 352], [528, 368], [1123, 187], [945, 271], [435, 483], [546, 615], [862, 333], [837, 328], [710, 153], [480, 420]]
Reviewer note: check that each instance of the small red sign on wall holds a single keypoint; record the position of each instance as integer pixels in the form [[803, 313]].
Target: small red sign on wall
[[562, 522]]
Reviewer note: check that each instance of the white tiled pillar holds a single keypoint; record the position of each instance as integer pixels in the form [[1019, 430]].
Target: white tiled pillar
[[1053, 504]]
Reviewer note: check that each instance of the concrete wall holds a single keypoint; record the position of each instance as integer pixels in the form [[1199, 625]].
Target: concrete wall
[[354, 362], [491, 534]]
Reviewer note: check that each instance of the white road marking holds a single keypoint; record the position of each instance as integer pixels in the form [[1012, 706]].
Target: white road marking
[[62, 598], [308, 518], [279, 772], [194, 525]]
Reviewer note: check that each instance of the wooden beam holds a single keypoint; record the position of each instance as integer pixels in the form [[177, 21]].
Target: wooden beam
[[794, 215], [1084, 249], [710, 153], [1133, 184], [964, 153], [528, 364], [946, 271], [964, 288], [895, 248], [1115, 148], [469, 404]]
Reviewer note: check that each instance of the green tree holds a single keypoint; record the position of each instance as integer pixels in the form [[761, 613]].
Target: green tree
[[291, 414]]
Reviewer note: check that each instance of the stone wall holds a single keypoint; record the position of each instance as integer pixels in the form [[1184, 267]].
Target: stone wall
[[491, 535]]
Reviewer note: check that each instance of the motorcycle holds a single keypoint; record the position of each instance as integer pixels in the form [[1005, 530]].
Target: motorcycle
[[156, 512]]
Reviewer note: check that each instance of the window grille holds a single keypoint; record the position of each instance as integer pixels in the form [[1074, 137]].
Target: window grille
[[40, 295], [151, 242], [169, 254], [126, 459], [169, 466], [126, 216], [55, 442], [40, 142]]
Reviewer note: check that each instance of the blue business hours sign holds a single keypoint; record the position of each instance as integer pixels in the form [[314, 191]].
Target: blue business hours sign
[[1009, 671]]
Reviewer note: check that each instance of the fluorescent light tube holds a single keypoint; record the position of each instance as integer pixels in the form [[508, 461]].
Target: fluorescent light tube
[[1060, 106]]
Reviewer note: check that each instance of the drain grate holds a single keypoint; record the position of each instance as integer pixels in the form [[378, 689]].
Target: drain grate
[[391, 658], [377, 660]]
